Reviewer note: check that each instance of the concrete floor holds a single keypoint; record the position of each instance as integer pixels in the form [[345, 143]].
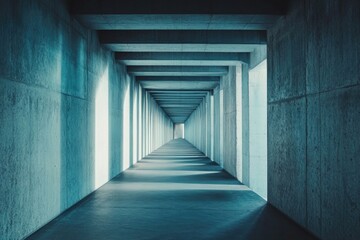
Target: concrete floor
[[174, 193]]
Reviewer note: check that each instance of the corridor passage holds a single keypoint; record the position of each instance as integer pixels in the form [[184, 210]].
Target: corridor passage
[[174, 193]]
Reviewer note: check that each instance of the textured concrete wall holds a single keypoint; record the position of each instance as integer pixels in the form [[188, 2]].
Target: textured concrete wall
[[61, 114], [314, 116], [258, 56]]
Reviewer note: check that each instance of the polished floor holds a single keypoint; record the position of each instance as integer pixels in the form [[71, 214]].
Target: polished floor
[[174, 193]]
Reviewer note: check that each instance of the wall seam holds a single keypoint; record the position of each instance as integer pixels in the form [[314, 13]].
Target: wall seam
[[287, 99], [312, 94]]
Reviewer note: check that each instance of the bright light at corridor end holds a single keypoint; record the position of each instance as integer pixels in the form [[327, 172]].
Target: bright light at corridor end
[[179, 130]]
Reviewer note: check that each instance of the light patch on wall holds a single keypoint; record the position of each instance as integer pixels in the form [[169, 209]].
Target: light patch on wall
[[126, 130], [102, 131]]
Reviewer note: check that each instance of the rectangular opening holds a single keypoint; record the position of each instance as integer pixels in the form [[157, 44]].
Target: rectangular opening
[[179, 131]]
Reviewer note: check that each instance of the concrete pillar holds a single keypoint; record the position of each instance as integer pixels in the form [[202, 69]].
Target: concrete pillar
[[243, 113]]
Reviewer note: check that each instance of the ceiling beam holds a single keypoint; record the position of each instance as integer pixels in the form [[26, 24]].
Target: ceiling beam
[[177, 22], [177, 70], [177, 91], [178, 79], [255, 7], [182, 40], [179, 85], [181, 58]]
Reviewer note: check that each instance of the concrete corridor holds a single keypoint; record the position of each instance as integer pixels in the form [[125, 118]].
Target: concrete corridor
[[174, 193]]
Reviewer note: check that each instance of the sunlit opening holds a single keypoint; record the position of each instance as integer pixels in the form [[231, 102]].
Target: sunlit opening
[[126, 131], [179, 131], [102, 131]]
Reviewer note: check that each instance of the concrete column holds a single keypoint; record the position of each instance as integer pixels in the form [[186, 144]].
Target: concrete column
[[245, 123]]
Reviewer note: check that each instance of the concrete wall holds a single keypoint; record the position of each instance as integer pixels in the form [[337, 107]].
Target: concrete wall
[[314, 116], [62, 114], [197, 127]]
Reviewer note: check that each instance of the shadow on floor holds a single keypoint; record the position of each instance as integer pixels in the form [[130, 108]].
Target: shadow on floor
[[177, 197]]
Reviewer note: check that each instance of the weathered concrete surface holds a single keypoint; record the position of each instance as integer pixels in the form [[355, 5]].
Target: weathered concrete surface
[[287, 47], [340, 114], [313, 85], [257, 56], [286, 175], [53, 74]]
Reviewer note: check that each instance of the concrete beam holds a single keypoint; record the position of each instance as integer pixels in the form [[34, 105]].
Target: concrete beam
[[246, 7], [178, 79], [177, 70], [177, 91], [182, 40], [178, 111], [181, 58], [178, 22], [179, 101], [178, 95], [179, 85], [178, 106]]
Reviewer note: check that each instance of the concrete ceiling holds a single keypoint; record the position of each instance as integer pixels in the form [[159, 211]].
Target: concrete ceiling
[[178, 50]]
